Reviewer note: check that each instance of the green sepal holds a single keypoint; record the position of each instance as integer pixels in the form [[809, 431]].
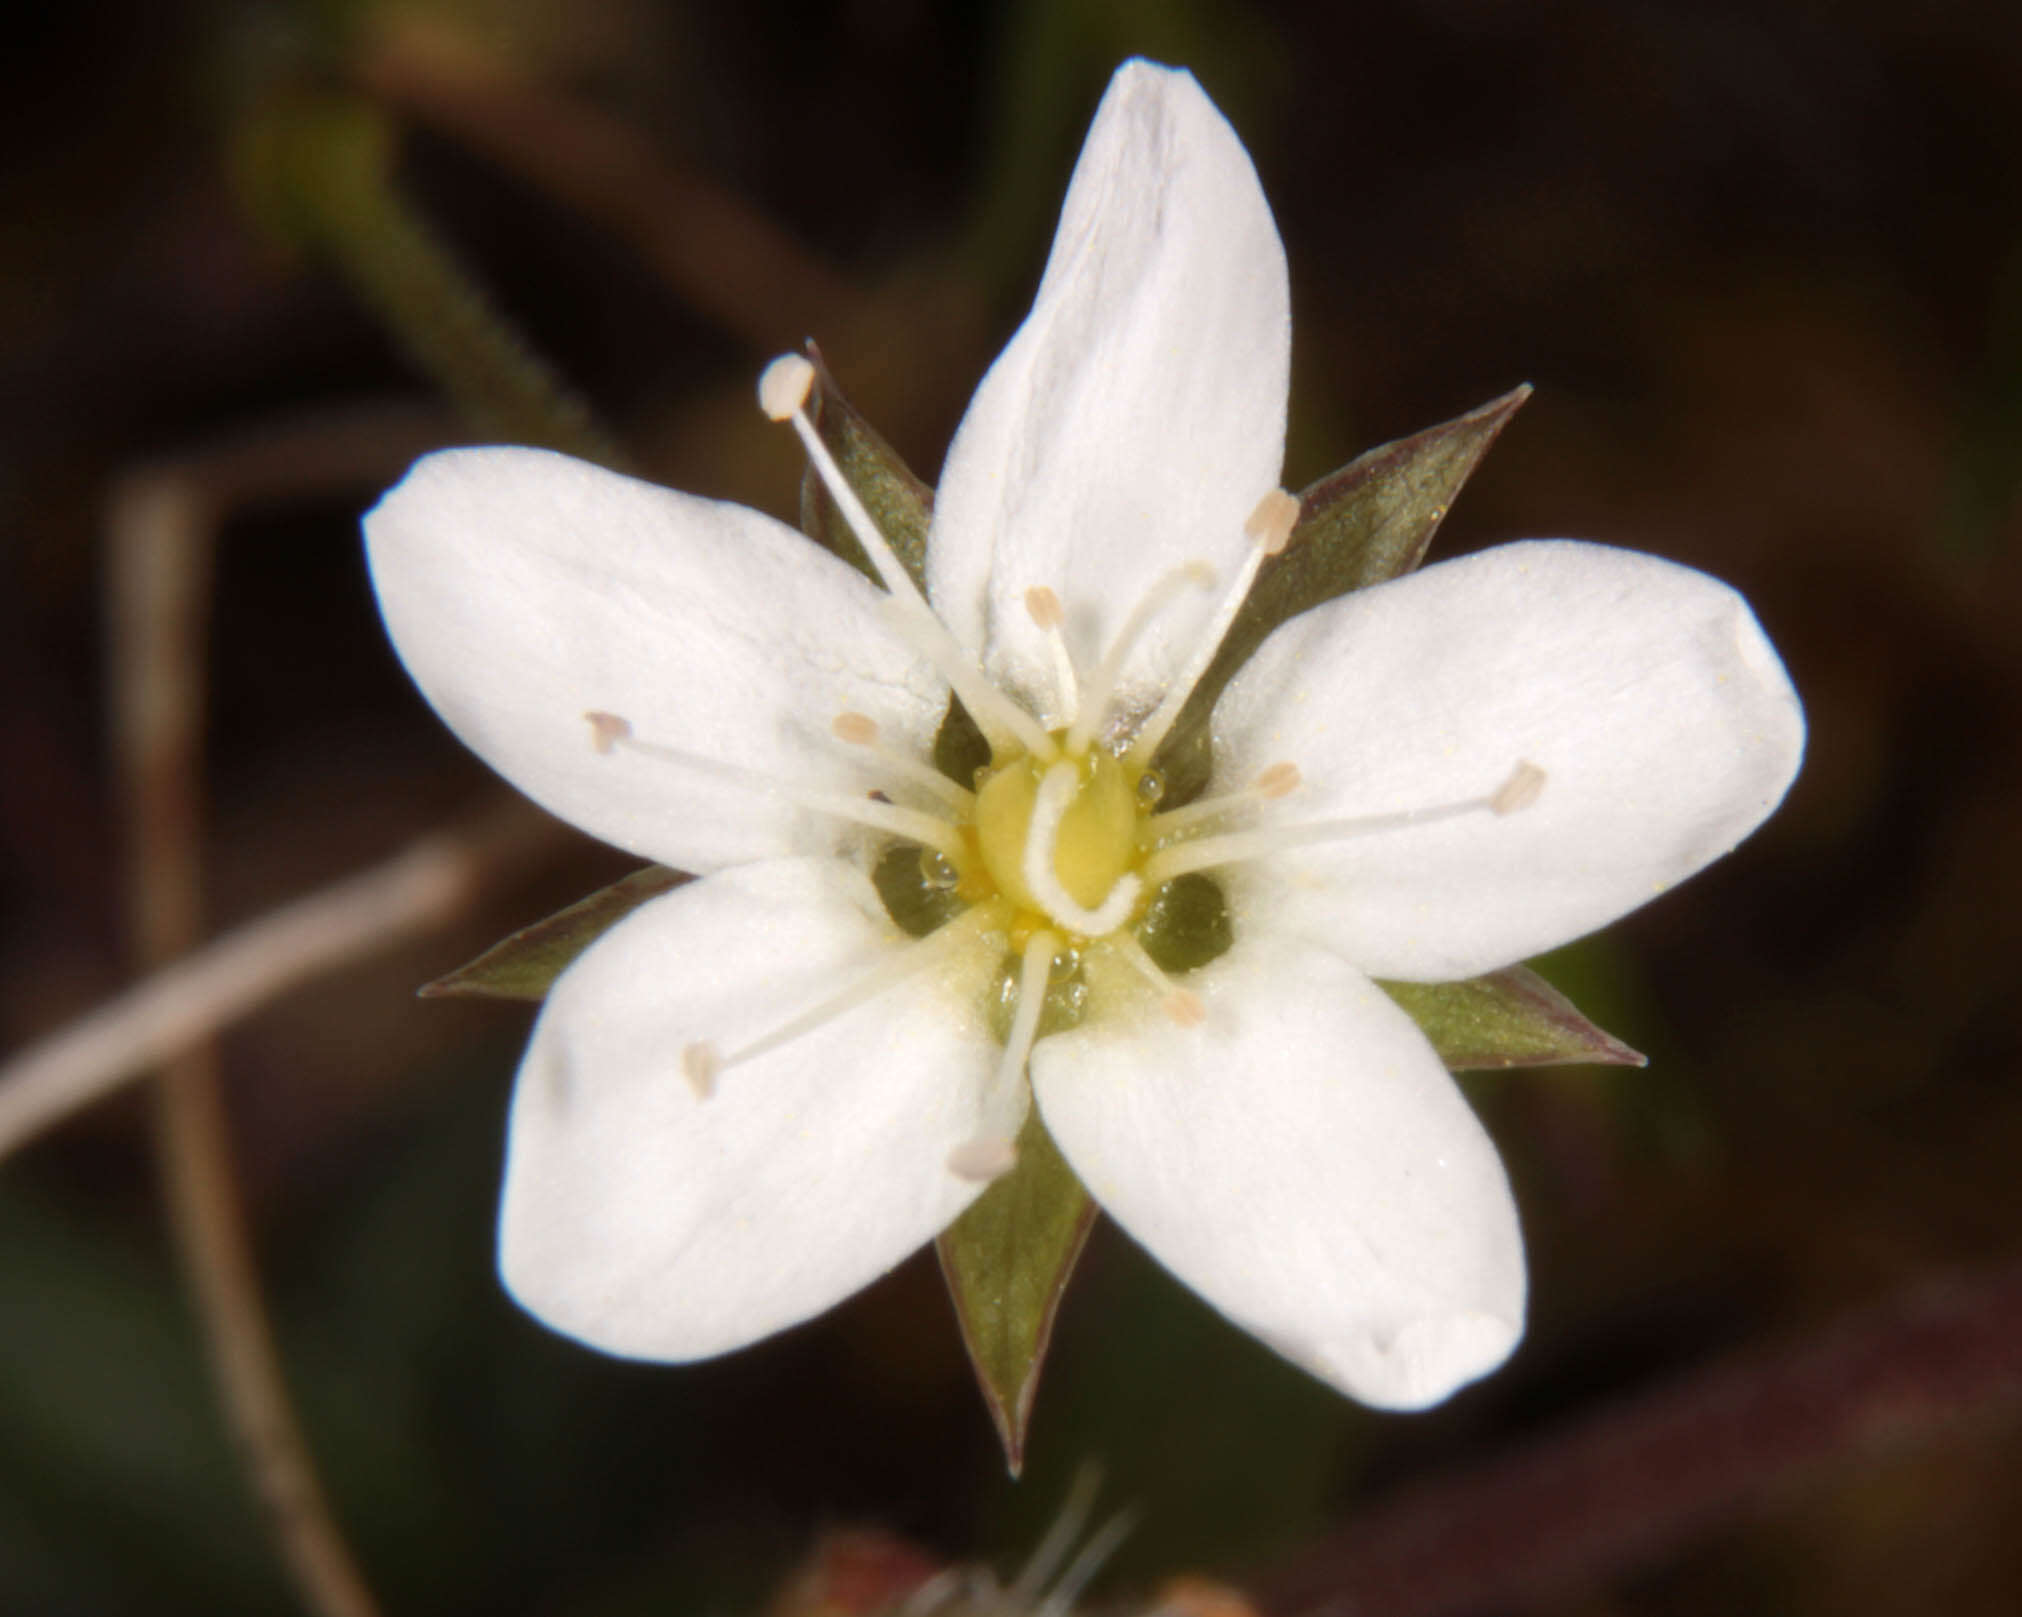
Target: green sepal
[[1510, 1018], [899, 502], [1007, 1261], [1371, 521], [526, 964]]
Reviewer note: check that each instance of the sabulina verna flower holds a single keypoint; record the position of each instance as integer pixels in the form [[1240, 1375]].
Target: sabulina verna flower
[[760, 1091]]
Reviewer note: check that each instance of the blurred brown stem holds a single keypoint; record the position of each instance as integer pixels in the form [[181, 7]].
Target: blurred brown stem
[[429, 883], [162, 532], [1623, 1486]]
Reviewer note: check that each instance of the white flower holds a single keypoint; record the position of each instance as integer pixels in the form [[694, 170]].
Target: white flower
[[757, 1093]]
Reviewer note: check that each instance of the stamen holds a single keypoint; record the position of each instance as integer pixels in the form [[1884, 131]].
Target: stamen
[[1280, 780], [861, 730], [1519, 791], [1183, 1005], [611, 733], [1057, 789], [993, 1150], [702, 1065], [1268, 527], [1046, 611], [1095, 701], [786, 384]]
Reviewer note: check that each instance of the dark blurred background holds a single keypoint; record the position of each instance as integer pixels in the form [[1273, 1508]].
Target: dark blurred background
[[1763, 263]]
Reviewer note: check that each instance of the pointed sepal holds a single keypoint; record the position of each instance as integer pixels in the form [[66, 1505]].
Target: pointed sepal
[[1007, 1261], [1509, 1018], [525, 965], [1371, 521]]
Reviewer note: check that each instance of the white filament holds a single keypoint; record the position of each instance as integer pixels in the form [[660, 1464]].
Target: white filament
[[1183, 1005], [1518, 792], [1095, 699], [1268, 527], [996, 715], [1280, 780], [993, 1150], [860, 732], [610, 733], [703, 1064]]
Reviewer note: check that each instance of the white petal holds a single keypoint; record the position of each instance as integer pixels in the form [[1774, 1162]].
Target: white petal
[[1302, 1160], [1139, 414], [1665, 726], [523, 589], [652, 1223]]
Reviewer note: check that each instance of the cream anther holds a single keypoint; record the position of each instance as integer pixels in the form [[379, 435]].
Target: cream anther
[[1045, 607], [1184, 1007], [607, 730], [858, 729], [784, 386], [700, 1065], [1271, 524], [1049, 615], [1057, 789], [984, 1158], [1268, 526], [1280, 780], [1521, 790]]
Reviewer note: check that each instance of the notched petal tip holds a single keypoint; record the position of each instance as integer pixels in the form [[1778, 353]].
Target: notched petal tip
[[1416, 1365]]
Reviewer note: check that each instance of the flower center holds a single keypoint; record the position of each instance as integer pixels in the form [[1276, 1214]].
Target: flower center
[[1062, 846], [1075, 821]]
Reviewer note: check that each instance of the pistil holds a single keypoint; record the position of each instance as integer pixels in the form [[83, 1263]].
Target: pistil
[[1058, 788]]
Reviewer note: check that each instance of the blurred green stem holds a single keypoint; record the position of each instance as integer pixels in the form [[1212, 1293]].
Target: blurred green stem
[[324, 166]]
